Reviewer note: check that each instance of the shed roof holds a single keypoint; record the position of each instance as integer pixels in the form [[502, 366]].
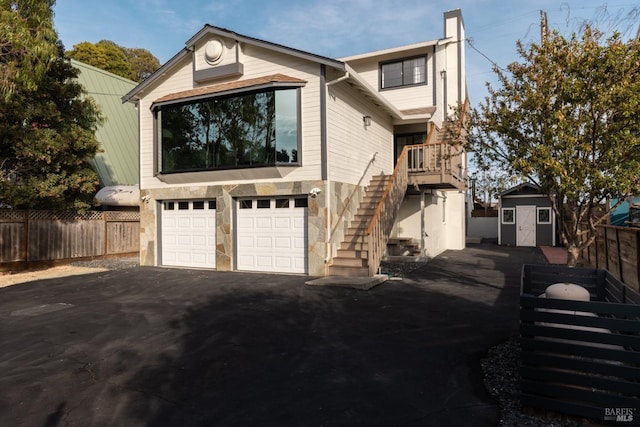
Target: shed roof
[[520, 189]]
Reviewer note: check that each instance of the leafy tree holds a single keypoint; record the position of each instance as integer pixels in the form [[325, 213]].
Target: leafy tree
[[131, 63], [566, 119], [105, 55], [142, 62], [27, 43], [46, 136]]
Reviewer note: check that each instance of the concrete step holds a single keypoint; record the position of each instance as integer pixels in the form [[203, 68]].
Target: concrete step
[[349, 271], [401, 246], [349, 262]]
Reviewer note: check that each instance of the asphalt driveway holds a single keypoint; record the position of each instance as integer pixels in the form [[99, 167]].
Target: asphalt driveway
[[168, 347]]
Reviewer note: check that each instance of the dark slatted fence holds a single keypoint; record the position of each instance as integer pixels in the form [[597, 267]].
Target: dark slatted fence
[[580, 358]]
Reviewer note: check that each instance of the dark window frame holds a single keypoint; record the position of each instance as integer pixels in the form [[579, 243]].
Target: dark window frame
[[157, 130], [402, 61]]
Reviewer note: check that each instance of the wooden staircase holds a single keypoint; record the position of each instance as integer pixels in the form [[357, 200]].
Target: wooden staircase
[[403, 246], [353, 254]]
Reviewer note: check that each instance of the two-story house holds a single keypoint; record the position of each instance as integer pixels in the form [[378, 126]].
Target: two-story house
[[259, 157]]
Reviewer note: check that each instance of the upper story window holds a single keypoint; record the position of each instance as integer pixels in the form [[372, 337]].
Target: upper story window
[[240, 131], [405, 72]]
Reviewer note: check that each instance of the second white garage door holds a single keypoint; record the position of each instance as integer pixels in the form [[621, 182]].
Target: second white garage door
[[272, 235]]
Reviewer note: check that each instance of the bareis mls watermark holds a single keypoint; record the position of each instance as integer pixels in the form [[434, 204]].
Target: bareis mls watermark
[[619, 414]]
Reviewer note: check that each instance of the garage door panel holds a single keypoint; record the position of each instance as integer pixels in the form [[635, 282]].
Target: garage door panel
[[299, 243], [282, 223], [183, 240], [245, 242], [199, 223], [263, 242], [263, 223], [283, 242], [264, 262], [283, 262], [271, 239], [199, 240], [245, 223]]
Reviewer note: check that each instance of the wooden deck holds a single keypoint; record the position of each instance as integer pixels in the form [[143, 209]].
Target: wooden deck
[[436, 166]]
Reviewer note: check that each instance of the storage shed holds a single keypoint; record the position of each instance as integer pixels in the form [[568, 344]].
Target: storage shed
[[526, 217]]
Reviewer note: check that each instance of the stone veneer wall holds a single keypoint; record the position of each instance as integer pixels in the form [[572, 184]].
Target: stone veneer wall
[[224, 195]]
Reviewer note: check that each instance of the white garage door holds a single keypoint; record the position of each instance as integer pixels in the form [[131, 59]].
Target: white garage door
[[188, 236], [272, 235]]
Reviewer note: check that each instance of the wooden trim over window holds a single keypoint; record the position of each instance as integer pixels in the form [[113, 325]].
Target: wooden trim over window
[[279, 80]]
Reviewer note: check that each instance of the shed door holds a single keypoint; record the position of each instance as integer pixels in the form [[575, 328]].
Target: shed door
[[188, 233], [525, 225], [272, 235]]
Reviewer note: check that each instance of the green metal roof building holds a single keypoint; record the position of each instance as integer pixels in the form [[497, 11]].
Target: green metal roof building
[[118, 136]]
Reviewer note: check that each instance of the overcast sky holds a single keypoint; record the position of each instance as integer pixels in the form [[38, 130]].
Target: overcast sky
[[336, 28]]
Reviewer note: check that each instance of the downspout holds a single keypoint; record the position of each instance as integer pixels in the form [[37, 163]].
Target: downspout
[[325, 153], [324, 168], [423, 236]]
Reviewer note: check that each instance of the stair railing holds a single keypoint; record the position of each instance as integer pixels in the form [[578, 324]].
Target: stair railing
[[384, 217], [347, 202]]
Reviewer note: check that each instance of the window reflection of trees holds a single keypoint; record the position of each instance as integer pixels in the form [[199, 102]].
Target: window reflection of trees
[[222, 133]]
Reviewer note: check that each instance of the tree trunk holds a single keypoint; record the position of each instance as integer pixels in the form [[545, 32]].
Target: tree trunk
[[573, 254]]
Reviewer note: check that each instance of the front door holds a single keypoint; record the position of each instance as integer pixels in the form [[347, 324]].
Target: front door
[[407, 139], [525, 225]]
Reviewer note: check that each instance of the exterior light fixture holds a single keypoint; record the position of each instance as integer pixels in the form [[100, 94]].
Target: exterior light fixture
[[366, 120]]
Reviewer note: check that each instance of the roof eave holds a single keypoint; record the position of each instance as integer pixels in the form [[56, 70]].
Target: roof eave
[[210, 29], [373, 94], [132, 95], [390, 51]]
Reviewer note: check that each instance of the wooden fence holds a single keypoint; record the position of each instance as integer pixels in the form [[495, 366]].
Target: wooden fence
[[616, 249], [580, 357], [32, 237]]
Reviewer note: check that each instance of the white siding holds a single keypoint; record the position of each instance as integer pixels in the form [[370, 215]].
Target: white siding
[[257, 62], [410, 97], [402, 98], [352, 145]]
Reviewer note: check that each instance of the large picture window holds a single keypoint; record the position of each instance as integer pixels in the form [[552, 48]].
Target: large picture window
[[406, 72], [246, 130]]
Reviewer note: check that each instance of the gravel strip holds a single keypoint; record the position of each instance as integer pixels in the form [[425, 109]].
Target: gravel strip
[[502, 380], [110, 263]]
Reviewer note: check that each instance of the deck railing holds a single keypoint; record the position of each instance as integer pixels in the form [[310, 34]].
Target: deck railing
[[436, 159], [385, 215]]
